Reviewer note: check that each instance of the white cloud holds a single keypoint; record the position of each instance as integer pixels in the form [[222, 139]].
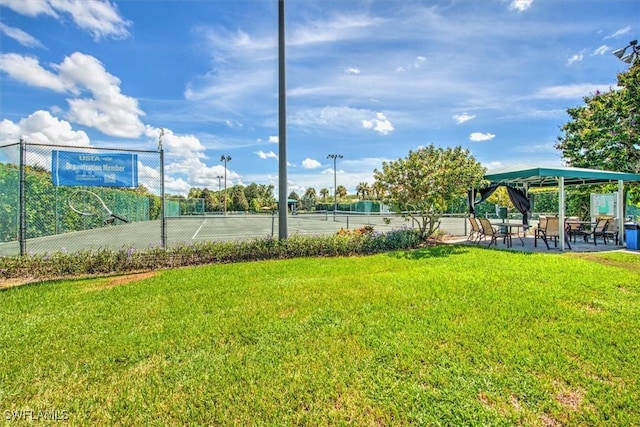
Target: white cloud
[[182, 146], [380, 124], [41, 127], [20, 36], [109, 110], [464, 117], [520, 5], [353, 70], [479, 137], [571, 91], [268, 155], [601, 50], [575, 58], [621, 32], [30, 8], [311, 163], [419, 61], [28, 70], [274, 139], [198, 174], [99, 17]]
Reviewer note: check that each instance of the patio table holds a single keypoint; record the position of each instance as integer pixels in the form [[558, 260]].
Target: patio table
[[509, 226]]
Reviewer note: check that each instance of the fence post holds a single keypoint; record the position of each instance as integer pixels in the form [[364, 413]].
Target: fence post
[[22, 209], [163, 219]]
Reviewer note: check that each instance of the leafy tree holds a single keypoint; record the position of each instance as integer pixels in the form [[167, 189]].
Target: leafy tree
[[254, 206], [195, 193], [238, 200], [424, 184], [341, 191], [501, 197], [263, 194], [605, 132], [210, 200], [294, 196]]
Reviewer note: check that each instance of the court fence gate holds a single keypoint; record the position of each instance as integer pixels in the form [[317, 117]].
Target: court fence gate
[[67, 198]]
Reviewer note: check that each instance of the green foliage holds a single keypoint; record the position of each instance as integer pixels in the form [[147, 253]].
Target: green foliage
[[104, 260], [47, 210], [427, 182], [309, 199], [239, 202], [604, 133]]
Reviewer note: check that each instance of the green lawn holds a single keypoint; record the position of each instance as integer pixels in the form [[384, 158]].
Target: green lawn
[[450, 335]]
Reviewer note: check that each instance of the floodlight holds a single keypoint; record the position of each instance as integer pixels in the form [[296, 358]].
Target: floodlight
[[619, 52], [629, 58]]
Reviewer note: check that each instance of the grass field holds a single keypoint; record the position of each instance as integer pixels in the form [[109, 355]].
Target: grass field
[[444, 335]]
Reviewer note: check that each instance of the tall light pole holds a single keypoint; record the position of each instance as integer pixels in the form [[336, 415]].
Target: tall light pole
[[335, 157], [225, 159], [282, 127], [631, 57], [219, 179]]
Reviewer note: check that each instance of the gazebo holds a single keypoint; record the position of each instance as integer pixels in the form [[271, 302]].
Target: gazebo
[[519, 179]]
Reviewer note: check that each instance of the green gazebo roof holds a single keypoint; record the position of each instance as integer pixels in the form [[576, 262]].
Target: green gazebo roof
[[549, 176]]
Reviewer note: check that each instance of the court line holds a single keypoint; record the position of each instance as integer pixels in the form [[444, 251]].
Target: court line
[[198, 230]]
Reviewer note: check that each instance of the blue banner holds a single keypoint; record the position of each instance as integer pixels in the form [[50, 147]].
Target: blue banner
[[94, 169]]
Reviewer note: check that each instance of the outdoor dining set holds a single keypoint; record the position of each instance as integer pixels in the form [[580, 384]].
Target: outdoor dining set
[[548, 230]]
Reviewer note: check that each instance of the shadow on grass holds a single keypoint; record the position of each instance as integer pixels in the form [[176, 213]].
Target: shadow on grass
[[437, 251]]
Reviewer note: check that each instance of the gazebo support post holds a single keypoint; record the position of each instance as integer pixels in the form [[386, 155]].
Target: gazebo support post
[[620, 211], [561, 212]]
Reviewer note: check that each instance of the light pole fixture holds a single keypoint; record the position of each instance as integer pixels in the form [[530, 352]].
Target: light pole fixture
[[335, 157], [225, 159], [630, 58]]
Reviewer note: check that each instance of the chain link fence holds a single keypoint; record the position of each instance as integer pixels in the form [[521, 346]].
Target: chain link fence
[[40, 215]]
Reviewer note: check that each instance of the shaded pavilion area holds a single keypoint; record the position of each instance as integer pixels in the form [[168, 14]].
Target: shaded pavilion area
[[519, 180]]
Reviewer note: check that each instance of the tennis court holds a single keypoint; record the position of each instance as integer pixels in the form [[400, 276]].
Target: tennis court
[[232, 227]]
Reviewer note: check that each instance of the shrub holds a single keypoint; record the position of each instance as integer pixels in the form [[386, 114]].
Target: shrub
[[128, 259]]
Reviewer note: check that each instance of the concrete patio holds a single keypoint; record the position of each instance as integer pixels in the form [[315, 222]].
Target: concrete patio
[[529, 245]]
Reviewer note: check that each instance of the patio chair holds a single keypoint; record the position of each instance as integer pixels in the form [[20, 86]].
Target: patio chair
[[612, 231], [552, 232], [573, 227], [490, 231], [539, 230], [597, 231], [476, 232]]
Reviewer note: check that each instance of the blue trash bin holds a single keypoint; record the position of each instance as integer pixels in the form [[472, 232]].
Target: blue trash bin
[[632, 235]]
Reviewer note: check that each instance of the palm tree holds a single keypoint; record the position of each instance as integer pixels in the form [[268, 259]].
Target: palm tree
[[378, 190], [360, 189], [341, 191], [324, 193]]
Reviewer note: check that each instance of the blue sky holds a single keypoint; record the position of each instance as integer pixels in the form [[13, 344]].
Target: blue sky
[[367, 79]]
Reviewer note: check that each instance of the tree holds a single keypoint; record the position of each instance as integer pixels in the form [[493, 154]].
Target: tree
[[309, 198], [324, 193], [238, 200], [341, 191], [363, 189], [378, 190], [294, 196], [210, 200], [605, 132], [424, 184]]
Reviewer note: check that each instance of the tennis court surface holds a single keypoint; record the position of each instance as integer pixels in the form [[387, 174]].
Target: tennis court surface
[[232, 227]]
